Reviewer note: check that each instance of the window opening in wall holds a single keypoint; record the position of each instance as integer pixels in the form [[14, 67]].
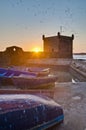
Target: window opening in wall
[[14, 49]]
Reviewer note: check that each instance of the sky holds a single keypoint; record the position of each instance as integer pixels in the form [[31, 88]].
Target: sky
[[23, 22]]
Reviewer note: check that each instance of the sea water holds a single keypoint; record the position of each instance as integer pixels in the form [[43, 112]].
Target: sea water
[[81, 57]]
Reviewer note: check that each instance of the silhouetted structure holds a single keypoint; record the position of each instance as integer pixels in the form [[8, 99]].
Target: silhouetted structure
[[12, 55], [58, 46], [54, 47]]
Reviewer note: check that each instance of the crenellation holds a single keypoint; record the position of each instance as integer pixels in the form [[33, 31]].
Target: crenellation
[[62, 45]]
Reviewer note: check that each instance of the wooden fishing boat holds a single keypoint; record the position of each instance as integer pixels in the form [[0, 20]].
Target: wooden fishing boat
[[7, 74], [28, 112], [5, 77], [39, 71], [25, 82]]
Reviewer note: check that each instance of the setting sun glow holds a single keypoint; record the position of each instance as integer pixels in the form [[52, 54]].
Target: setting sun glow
[[36, 50]]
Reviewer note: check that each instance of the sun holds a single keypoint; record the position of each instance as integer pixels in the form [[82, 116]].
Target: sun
[[36, 50]]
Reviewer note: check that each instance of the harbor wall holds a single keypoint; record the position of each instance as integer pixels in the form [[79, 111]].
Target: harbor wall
[[79, 66]]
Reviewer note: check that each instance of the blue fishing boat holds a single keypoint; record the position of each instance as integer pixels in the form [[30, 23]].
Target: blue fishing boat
[[7, 74], [28, 112], [26, 80], [40, 71]]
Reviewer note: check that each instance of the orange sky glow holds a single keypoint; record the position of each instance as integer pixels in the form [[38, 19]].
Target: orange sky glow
[[23, 22]]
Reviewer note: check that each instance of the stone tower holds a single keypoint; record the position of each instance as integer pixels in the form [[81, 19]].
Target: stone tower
[[58, 46]]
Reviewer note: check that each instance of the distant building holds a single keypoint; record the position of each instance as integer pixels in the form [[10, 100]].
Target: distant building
[[58, 46]]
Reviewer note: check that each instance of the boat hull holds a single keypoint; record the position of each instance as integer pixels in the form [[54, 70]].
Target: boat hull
[[5, 81], [22, 112], [32, 83], [39, 71]]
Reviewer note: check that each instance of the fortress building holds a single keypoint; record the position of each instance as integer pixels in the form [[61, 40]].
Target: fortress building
[[54, 47], [58, 46]]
